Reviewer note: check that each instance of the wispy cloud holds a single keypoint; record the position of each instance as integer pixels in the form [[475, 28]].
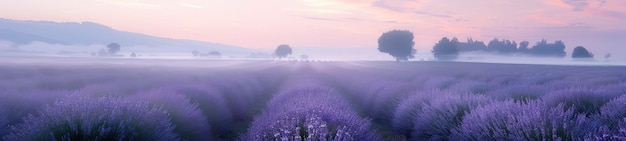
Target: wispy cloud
[[318, 18], [399, 5], [134, 4], [581, 5], [616, 15], [193, 6], [426, 13]]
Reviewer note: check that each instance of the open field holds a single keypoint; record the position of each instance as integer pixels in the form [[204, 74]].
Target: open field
[[111, 99]]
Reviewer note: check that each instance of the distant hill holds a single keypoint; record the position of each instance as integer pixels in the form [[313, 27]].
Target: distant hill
[[88, 33]]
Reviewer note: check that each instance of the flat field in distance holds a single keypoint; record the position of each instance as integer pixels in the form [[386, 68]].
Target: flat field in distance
[[149, 99]]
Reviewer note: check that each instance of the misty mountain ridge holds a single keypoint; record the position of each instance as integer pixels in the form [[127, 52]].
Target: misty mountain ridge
[[21, 33]]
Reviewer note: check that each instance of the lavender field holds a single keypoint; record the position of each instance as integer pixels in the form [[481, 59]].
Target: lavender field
[[291, 100]]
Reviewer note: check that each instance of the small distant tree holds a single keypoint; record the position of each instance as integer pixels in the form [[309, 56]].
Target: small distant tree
[[304, 57], [113, 48], [581, 52], [215, 53], [133, 55], [446, 49], [102, 52], [195, 52], [397, 43], [283, 51]]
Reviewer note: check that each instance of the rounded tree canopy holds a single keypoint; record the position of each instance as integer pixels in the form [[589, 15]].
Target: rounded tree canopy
[[581, 52], [446, 49], [215, 53], [304, 56], [283, 51], [113, 48], [397, 43], [195, 52]]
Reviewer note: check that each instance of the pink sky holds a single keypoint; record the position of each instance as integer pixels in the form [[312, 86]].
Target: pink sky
[[595, 24]]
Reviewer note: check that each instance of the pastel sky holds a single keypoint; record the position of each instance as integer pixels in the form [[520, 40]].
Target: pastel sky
[[263, 24]]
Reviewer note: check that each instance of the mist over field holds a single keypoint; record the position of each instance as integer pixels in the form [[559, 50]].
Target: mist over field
[[312, 70], [457, 90], [199, 99], [151, 88]]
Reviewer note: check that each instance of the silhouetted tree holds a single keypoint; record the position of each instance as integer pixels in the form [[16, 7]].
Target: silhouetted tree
[[523, 47], [446, 49], [397, 43], [195, 52], [215, 53], [545, 49], [471, 45], [113, 48], [304, 57], [607, 56], [133, 55], [283, 51], [504, 46], [102, 52], [581, 52]]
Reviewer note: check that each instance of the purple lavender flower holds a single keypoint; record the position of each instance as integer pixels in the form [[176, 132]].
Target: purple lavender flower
[[410, 108], [509, 120], [211, 103], [583, 100], [4, 121], [314, 113], [82, 118], [444, 113], [191, 124]]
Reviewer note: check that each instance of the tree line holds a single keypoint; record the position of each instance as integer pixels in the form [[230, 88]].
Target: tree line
[[399, 44]]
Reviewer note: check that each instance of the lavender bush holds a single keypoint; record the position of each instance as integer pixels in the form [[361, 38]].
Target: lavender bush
[[410, 108], [315, 113], [614, 112], [4, 122], [444, 113], [211, 103], [582, 100], [613, 117], [18, 104], [226, 100], [190, 123], [509, 120], [83, 118], [381, 104], [519, 92]]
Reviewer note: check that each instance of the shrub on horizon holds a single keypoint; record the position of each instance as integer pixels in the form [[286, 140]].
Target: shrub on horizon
[[82, 118]]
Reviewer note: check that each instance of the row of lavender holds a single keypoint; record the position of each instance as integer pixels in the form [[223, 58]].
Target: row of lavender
[[307, 109], [313, 101], [120, 102], [468, 101]]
